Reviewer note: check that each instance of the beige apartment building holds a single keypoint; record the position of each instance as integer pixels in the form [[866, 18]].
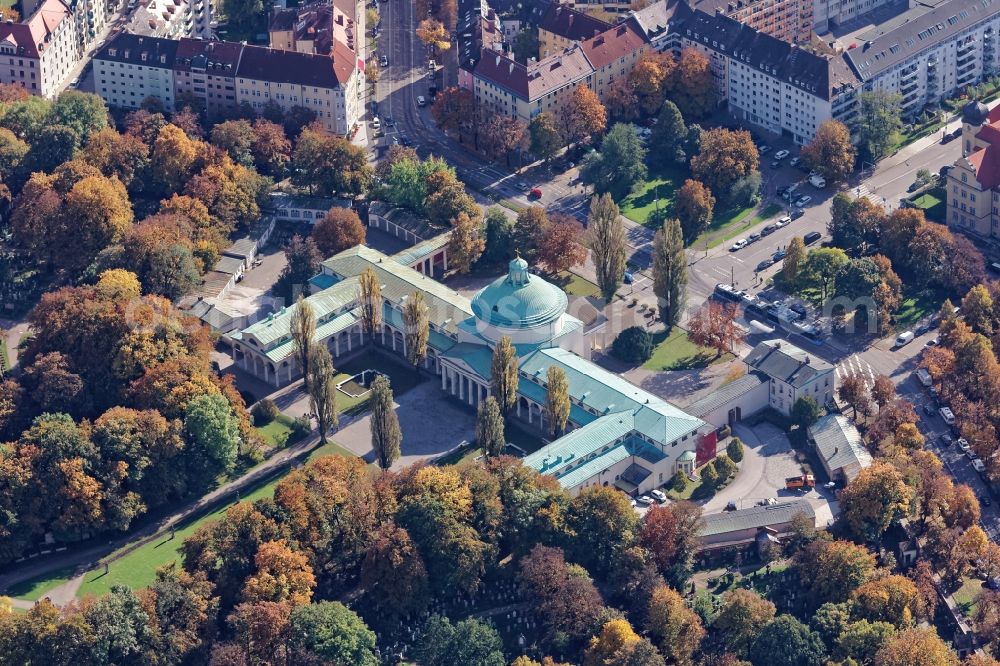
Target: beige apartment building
[[613, 53], [561, 27], [330, 85], [509, 88], [40, 52], [974, 180]]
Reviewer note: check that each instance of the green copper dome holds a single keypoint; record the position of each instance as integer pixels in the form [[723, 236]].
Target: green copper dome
[[519, 299]]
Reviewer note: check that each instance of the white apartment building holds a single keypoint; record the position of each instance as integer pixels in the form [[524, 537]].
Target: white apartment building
[[929, 52], [131, 68], [172, 18], [40, 52], [765, 81], [792, 373]]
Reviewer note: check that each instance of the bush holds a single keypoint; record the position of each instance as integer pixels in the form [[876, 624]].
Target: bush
[[709, 476], [264, 412], [724, 467], [735, 449], [633, 345], [725, 431], [302, 426], [679, 482]]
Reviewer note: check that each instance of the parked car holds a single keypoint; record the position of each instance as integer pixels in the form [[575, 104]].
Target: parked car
[[768, 230], [376, 125], [971, 455], [384, 61], [764, 149], [904, 338], [781, 154], [963, 444], [781, 190], [645, 500], [536, 193], [817, 181], [421, 101], [914, 186], [945, 437], [811, 237], [659, 496], [795, 161], [775, 164], [985, 500], [978, 465], [779, 255], [738, 245], [783, 221], [754, 237], [803, 200], [797, 213], [765, 264]]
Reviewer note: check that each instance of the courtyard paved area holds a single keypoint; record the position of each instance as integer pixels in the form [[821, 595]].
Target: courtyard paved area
[[431, 423], [768, 460]]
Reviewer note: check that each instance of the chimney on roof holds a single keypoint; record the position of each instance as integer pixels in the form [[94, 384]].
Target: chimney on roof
[[807, 360]]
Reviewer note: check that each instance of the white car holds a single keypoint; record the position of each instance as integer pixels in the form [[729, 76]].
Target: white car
[[659, 496], [645, 500], [802, 201], [783, 221], [781, 154], [376, 123], [738, 245], [963, 444], [978, 465], [384, 61], [817, 182]]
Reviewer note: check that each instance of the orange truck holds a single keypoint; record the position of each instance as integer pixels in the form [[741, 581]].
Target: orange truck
[[804, 481]]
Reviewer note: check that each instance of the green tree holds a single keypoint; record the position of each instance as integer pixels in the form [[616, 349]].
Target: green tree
[[709, 476], [332, 633], [557, 402], [607, 244], [724, 157], [370, 302], [725, 467], [545, 140], [302, 263], [416, 328], [670, 272], [633, 345], [466, 243], [244, 16], [787, 642], [805, 411], [12, 153], [171, 271], [329, 165], [302, 326], [386, 435], [831, 570], [529, 229], [822, 267], [879, 118], [977, 310], [669, 135], [84, 112], [503, 375], [498, 237], [122, 632], [213, 429], [53, 145], [489, 427], [469, 642], [236, 137], [619, 165], [735, 449], [322, 391]]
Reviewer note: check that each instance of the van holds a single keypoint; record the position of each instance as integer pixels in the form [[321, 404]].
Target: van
[[924, 377], [904, 338], [421, 101], [811, 237], [947, 415]]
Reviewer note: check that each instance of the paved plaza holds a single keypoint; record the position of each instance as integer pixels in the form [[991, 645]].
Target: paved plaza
[[431, 423]]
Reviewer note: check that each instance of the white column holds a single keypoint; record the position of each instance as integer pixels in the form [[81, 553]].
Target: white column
[[444, 378], [446, 260], [383, 335], [336, 346], [361, 334], [348, 341], [393, 340]]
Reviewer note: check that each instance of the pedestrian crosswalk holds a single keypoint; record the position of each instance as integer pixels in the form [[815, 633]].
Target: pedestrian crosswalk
[[855, 365], [864, 192]]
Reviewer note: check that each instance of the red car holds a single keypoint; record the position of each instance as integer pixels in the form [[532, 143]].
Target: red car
[[536, 193]]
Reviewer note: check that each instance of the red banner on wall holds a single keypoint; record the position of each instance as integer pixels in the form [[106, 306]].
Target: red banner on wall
[[706, 450]]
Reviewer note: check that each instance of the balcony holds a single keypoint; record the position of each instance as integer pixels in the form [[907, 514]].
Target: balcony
[[967, 46], [911, 99], [909, 88], [909, 73]]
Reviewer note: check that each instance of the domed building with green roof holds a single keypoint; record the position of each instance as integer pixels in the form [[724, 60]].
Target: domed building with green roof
[[618, 434]]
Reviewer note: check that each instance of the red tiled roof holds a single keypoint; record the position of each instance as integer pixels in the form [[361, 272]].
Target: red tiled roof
[[307, 69], [986, 162], [994, 114], [539, 78], [990, 133], [610, 45], [31, 37], [569, 23]]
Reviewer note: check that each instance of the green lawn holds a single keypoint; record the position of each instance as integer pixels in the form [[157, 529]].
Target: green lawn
[[689, 490], [529, 442], [965, 596], [138, 568], [574, 285], [36, 588], [677, 352], [933, 204], [732, 222], [662, 185], [279, 433], [916, 306]]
